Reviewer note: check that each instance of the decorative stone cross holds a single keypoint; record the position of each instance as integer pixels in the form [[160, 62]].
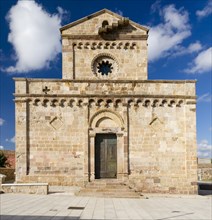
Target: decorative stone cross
[[46, 90]]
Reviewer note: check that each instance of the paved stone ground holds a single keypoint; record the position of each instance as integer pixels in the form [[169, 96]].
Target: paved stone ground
[[55, 207]]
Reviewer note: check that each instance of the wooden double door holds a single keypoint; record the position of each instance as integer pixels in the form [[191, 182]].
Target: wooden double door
[[105, 156]]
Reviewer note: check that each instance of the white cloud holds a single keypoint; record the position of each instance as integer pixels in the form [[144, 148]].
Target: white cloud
[[119, 12], [61, 10], [156, 6], [202, 63], [192, 48], [1, 121], [204, 149], [35, 36], [11, 139], [207, 10], [1, 147], [165, 38], [205, 98]]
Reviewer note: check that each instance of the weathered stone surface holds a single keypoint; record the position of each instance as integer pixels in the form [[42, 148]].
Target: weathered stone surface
[[154, 121], [35, 188]]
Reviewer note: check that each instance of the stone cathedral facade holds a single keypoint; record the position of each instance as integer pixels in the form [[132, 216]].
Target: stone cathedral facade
[[104, 118]]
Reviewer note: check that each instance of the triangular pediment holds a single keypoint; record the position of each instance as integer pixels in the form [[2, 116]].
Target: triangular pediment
[[90, 24]]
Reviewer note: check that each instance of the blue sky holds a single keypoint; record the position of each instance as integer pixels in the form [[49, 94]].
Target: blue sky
[[180, 40]]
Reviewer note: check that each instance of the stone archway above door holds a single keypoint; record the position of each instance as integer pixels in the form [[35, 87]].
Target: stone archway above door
[[106, 118]]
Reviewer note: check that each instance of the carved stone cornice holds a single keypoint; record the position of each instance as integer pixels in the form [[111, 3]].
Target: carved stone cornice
[[98, 37], [108, 96], [107, 102], [103, 81], [93, 45]]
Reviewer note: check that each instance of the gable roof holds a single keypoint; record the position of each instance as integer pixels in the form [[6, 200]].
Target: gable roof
[[72, 24]]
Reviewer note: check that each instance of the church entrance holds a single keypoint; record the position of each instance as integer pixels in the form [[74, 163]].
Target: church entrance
[[105, 156]]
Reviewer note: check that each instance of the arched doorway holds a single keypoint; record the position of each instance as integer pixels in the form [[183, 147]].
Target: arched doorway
[[108, 146]]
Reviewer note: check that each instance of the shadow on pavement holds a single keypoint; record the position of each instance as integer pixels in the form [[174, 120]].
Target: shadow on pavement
[[175, 216]]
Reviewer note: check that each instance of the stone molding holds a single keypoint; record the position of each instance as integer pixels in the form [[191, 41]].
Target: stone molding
[[106, 45], [98, 37], [103, 81], [29, 97], [104, 102], [105, 113]]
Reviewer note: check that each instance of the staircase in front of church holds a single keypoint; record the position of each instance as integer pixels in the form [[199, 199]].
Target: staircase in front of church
[[108, 188]]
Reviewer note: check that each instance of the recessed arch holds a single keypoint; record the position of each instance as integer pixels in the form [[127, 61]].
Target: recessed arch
[[100, 115]]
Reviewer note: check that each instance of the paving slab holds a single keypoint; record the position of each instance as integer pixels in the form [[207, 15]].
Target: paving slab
[[69, 207]]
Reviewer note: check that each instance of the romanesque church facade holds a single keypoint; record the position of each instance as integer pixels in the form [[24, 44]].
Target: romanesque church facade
[[104, 118]]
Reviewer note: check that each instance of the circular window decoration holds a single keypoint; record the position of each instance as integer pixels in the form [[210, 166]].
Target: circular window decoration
[[104, 66]]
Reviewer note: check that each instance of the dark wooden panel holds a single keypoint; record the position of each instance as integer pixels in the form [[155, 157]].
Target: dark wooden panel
[[105, 156]]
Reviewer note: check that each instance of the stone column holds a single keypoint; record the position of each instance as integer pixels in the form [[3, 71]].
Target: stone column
[[120, 156], [86, 144], [92, 157], [126, 155]]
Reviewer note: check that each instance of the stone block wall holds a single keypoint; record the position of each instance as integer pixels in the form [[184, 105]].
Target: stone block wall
[[35, 188], [158, 151], [82, 44], [55, 145], [158, 128], [129, 56], [205, 171], [55, 88]]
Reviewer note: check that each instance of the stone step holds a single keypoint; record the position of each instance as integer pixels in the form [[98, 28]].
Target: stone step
[[99, 183], [114, 195], [109, 193], [106, 188], [105, 183]]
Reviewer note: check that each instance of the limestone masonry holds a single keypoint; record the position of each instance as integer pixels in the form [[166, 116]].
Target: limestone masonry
[[105, 119]]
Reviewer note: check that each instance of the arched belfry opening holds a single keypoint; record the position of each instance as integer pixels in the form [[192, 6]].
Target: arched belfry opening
[[107, 157], [105, 23]]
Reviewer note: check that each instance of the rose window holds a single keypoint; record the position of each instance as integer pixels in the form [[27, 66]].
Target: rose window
[[105, 67]]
